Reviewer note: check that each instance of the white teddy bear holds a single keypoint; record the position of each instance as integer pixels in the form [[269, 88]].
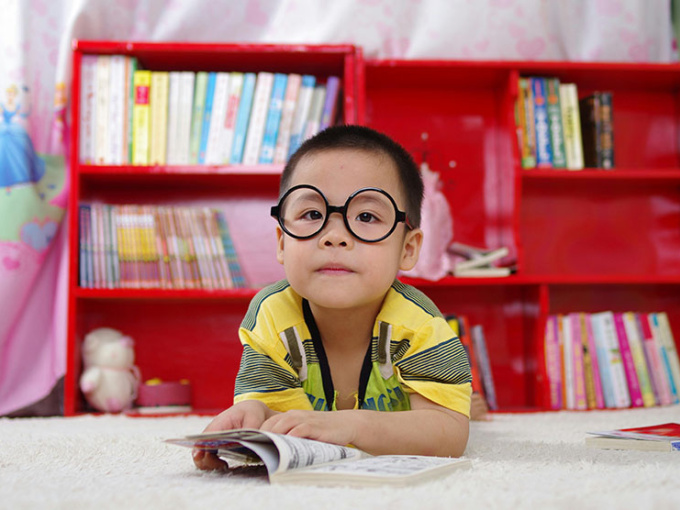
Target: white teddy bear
[[110, 379]]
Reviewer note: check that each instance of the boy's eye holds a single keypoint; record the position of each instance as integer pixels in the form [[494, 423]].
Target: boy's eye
[[312, 215], [367, 217]]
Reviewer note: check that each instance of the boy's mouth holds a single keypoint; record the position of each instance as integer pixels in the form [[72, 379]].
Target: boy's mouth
[[334, 269]]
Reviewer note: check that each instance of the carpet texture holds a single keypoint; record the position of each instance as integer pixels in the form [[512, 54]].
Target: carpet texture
[[523, 461]]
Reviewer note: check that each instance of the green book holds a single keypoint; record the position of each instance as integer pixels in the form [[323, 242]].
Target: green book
[[200, 91]]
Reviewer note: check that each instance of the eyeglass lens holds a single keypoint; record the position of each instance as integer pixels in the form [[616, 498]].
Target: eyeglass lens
[[370, 215]]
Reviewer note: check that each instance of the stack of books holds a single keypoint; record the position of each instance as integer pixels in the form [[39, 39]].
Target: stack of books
[[144, 117], [479, 262], [611, 360], [143, 246], [556, 129]]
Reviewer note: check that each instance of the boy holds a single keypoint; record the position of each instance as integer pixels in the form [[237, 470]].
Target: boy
[[341, 334]]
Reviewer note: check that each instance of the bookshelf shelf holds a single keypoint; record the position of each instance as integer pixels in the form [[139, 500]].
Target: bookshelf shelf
[[634, 175], [166, 294]]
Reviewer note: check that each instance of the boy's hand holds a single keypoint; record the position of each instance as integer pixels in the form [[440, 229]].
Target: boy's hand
[[336, 427], [247, 414]]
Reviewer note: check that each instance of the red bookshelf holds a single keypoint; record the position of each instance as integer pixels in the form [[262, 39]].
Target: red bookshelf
[[589, 240], [183, 334]]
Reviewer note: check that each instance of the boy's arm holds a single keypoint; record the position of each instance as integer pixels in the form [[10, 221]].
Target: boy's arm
[[427, 429]]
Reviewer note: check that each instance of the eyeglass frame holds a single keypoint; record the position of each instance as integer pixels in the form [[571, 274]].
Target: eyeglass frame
[[400, 216]]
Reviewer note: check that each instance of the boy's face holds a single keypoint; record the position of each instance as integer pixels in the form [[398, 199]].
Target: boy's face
[[334, 269]]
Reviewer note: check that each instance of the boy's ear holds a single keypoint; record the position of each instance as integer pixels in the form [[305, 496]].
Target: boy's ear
[[411, 249], [279, 244]]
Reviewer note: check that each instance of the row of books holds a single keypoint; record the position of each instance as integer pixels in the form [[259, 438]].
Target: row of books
[[611, 360], [144, 117], [143, 246], [556, 129], [474, 343]]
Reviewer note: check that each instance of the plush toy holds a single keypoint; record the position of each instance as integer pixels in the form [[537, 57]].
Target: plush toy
[[110, 379]]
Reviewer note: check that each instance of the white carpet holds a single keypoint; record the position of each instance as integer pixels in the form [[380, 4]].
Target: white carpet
[[523, 461]]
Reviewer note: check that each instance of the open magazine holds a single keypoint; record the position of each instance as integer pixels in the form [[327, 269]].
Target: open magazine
[[294, 460], [662, 437]]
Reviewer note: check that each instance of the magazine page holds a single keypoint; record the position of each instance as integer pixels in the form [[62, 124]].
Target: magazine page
[[662, 432], [380, 470]]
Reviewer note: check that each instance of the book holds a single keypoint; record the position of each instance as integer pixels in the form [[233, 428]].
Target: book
[[198, 109], [480, 258], [524, 118], [173, 142], [606, 156], [553, 361], [637, 352], [187, 82], [213, 151], [479, 343], [242, 118], [661, 437], [628, 363], [559, 159], [227, 128], [274, 111], [88, 97], [315, 112], [571, 126], [302, 107], [117, 108], [665, 355], [101, 139], [207, 116], [581, 390], [671, 351], [658, 378], [483, 272], [591, 126], [294, 460], [288, 110], [461, 326], [160, 83], [258, 117], [540, 103], [330, 106], [141, 118], [587, 326]]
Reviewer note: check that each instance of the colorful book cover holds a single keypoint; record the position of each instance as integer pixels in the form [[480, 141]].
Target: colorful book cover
[[198, 109], [258, 117], [330, 107], [117, 106], [671, 349], [160, 83], [227, 130], [88, 98], [607, 131], [287, 113], [315, 111], [130, 69], [636, 349], [302, 107], [235, 271], [603, 358], [666, 355], [553, 362], [461, 327], [542, 127], [213, 151], [141, 117], [243, 118], [207, 116], [571, 126], [559, 159], [580, 396], [101, 138], [654, 363], [566, 338], [524, 119], [620, 383], [588, 376], [274, 112], [587, 326], [628, 363]]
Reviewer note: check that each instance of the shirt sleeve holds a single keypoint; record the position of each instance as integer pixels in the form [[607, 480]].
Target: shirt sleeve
[[435, 366], [266, 374]]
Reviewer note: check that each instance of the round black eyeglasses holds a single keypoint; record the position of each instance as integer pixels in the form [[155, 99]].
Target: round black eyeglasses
[[370, 214]]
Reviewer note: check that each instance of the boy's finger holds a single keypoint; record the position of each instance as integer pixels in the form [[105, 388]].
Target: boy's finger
[[208, 461]]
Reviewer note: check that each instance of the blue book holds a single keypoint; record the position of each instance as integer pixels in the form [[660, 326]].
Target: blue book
[[207, 115], [242, 118], [237, 277], [271, 128], [543, 143]]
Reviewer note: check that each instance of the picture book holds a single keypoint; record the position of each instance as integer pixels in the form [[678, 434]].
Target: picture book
[[661, 437], [289, 459]]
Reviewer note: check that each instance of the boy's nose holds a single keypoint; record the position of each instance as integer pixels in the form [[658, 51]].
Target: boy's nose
[[335, 232]]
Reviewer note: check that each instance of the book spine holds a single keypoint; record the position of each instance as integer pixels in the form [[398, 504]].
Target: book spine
[[185, 113], [198, 109], [213, 151], [588, 373], [671, 349], [553, 107], [258, 117], [130, 95], [315, 112], [141, 114], [479, 342], [654, 364], [330, 106], [628, 363], [207, 117], [101, 146], [287, 113], [635, 344], [587, 326], [580, 397], [603, 356], [589, 110], [88, 98], [226, 137], [607, 131], [84, 278], [274, 113], [243, 118], [568, 360], [665, 355], [621, 393], [160, 82], [524, 113], [571, 126], [173, 118], [543, 146], [301, 112], [115, 262], [117, 104], [235, 271], [553, 362]]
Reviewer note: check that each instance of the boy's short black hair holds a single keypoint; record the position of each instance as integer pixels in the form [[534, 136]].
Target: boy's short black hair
[[370, 140]]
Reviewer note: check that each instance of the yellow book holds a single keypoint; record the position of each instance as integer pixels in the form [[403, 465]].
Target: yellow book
[[141, 118], [160, 86]]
